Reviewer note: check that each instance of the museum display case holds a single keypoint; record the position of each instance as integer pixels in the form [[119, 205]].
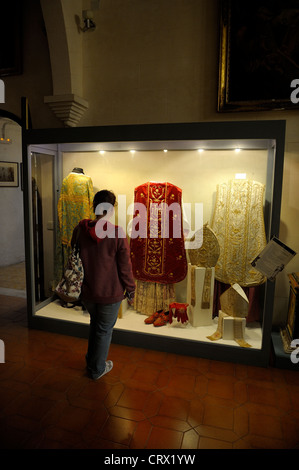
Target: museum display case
[[211, 195]]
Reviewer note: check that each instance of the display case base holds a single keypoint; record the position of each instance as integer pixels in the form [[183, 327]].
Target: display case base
[[177, 338]]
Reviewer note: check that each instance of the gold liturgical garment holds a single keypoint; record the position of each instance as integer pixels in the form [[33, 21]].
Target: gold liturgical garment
[[238, 223], [75, 203]]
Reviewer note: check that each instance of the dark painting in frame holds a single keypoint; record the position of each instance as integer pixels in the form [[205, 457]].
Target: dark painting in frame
[[9, 176], [259, 55], [11, 38]]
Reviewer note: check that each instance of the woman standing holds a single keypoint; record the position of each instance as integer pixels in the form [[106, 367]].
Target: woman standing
[[108, 278]]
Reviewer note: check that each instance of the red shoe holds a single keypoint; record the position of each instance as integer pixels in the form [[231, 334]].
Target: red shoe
[[162, 319], [153, 317]]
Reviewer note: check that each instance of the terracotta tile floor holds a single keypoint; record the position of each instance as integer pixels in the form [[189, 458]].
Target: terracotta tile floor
[[150, 400], [13, 276]]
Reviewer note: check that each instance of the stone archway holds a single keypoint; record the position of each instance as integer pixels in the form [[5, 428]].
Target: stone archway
[[65, 46]]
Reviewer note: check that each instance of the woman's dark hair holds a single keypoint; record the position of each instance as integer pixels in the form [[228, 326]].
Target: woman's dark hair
[[104, 196]]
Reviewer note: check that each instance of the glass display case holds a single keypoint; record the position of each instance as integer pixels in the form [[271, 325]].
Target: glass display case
[[228, 177]]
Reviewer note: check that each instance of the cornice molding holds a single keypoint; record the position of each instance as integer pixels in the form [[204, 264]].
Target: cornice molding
[[69, 108]]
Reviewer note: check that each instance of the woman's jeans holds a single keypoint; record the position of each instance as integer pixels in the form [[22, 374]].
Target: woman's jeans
[[102, 320]]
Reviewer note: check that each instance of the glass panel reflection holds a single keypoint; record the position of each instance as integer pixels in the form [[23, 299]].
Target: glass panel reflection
[[43, 219]]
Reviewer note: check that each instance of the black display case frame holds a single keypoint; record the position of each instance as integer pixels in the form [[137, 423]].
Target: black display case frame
[[266, 134]]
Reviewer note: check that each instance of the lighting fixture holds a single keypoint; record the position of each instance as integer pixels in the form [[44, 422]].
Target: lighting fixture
[[89, 24], [3, 139]]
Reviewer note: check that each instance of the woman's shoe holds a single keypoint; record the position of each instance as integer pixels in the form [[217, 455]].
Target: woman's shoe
[[108, 367]]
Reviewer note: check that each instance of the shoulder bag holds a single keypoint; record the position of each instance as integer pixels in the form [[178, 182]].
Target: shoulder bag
[[69, 287]]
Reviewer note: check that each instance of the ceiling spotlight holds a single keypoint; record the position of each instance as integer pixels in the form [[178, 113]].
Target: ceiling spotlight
[[89, 24]]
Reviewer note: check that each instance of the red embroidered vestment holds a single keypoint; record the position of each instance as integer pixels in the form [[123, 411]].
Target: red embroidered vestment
[[157, 249]]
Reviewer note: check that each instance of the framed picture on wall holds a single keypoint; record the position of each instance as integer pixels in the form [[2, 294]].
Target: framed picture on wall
[[259, 55], [9, 176]]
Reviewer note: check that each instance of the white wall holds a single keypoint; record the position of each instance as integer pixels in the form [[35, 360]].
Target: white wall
[[12, 249]]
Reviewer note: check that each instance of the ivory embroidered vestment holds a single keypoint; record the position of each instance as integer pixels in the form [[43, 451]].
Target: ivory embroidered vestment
[[238, 223]]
